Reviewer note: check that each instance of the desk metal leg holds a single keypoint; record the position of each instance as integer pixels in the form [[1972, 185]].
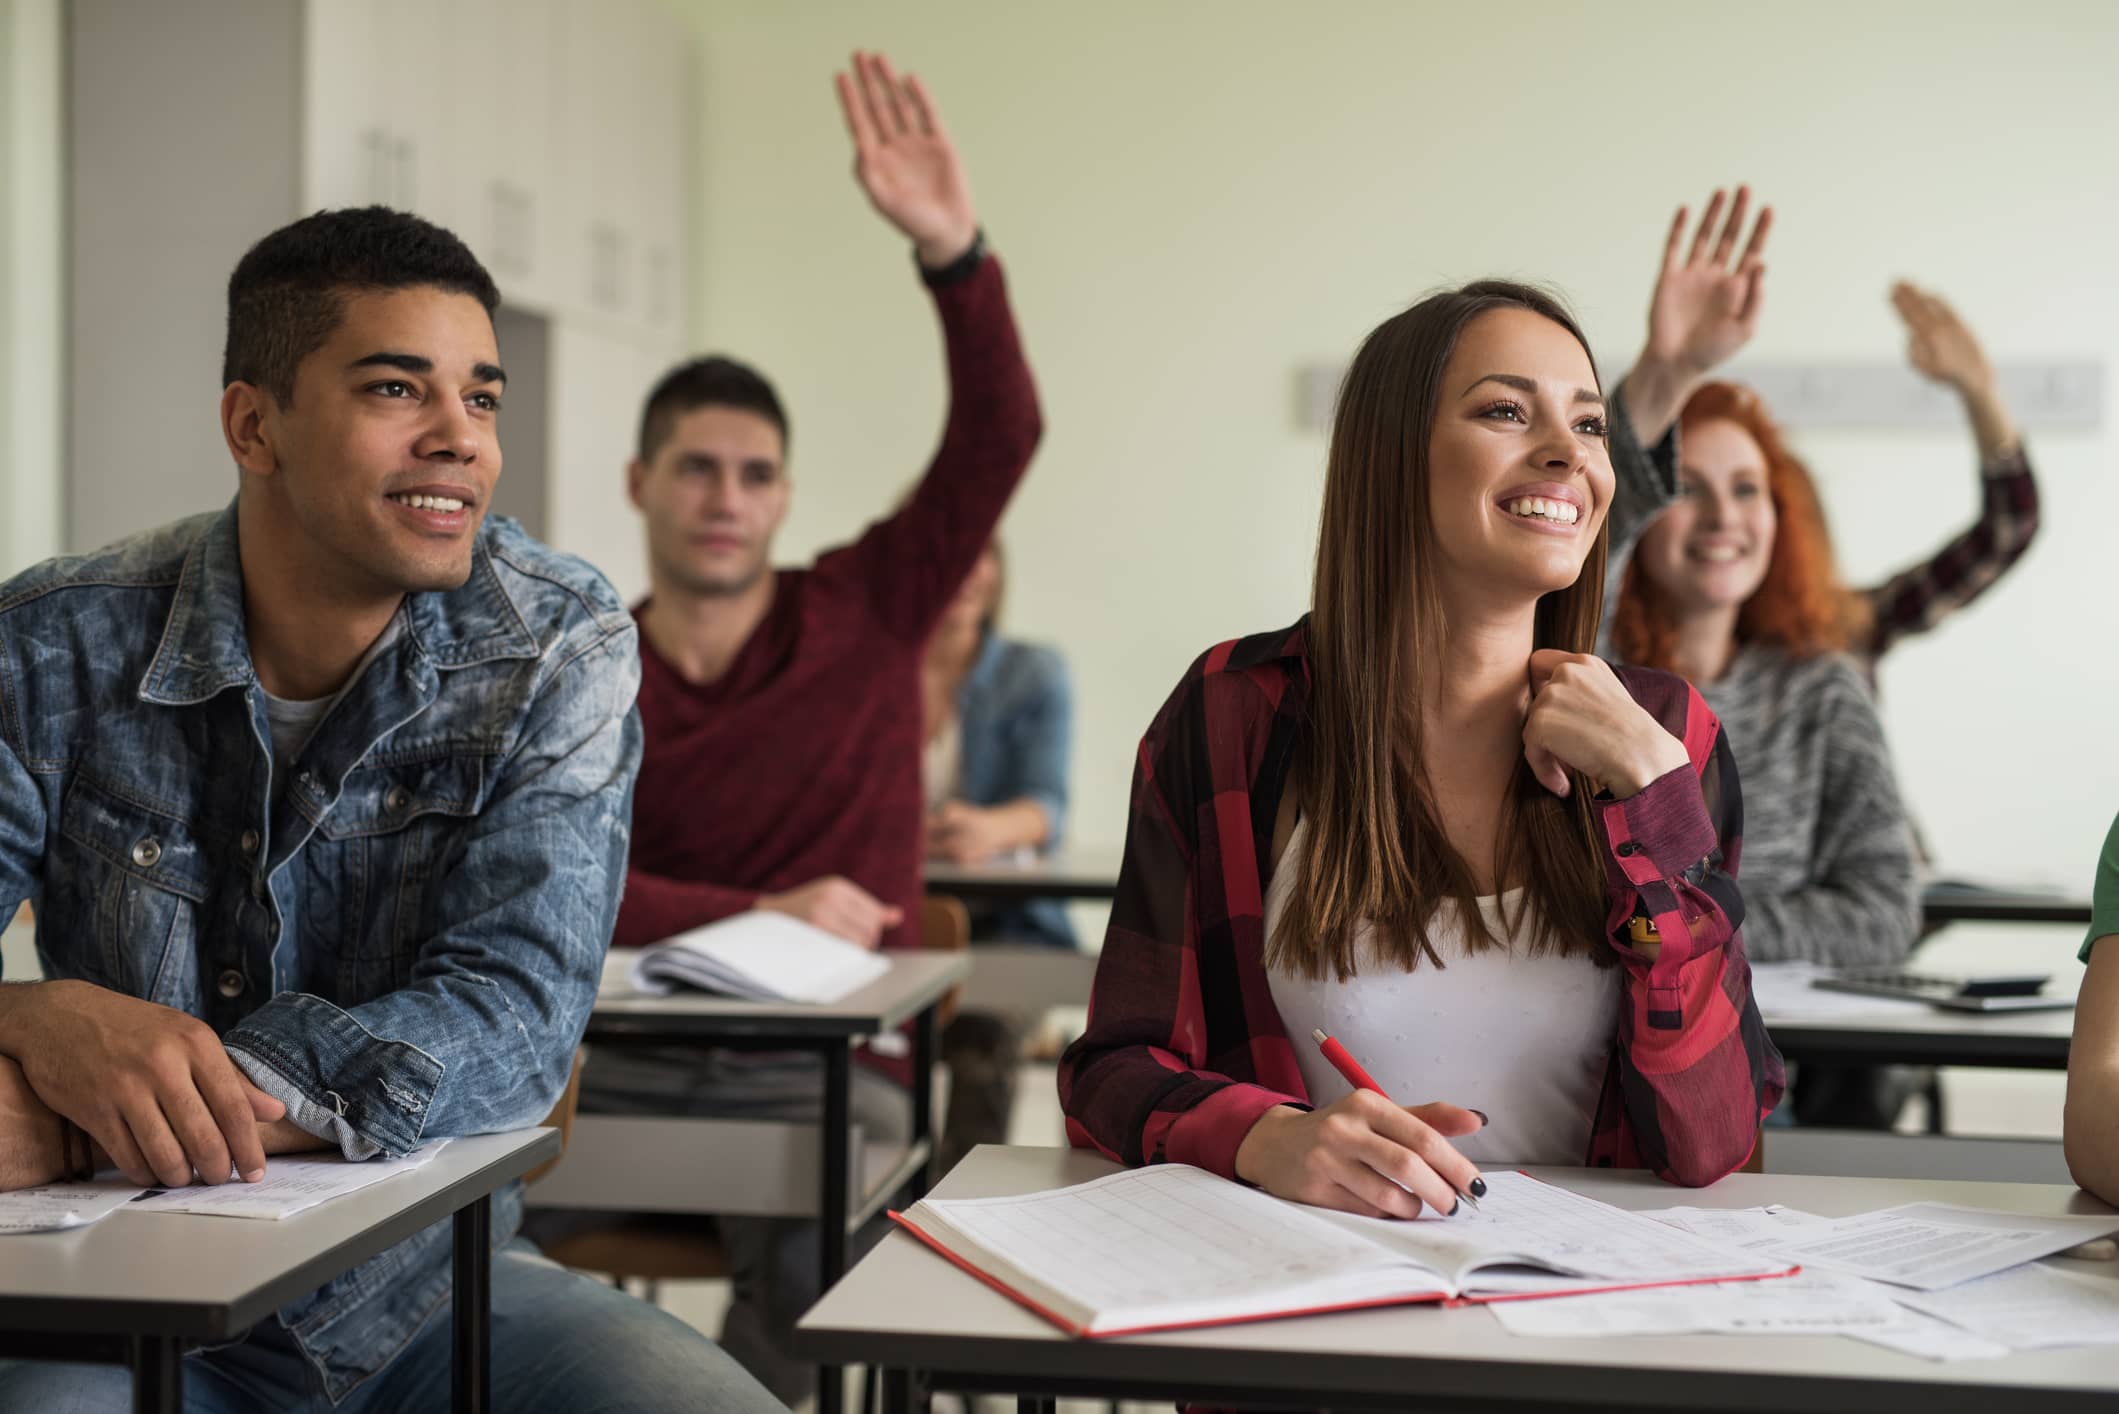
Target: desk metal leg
[[1036, 1404], [157, 1375], [834, 1201], [471, 1384], [923, 1046]]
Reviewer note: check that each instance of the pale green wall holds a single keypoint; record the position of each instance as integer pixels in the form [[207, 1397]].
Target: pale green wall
[[1195, 198], [31, 362]]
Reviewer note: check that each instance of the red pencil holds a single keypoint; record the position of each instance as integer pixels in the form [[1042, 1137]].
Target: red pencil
[[1350, 1069]]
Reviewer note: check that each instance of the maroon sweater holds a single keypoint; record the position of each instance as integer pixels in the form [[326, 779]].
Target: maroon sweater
[[803, 760]]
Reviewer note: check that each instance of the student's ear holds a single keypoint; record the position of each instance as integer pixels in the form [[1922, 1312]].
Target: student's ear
[[243, 407], [635, 478]]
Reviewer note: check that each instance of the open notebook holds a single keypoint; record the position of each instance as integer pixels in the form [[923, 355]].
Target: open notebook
[[1171, 1246], [760, 956]]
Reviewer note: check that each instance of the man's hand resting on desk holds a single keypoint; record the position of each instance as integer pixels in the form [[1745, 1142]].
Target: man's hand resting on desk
[[150, 1084], [32, 1136], [838, 906]]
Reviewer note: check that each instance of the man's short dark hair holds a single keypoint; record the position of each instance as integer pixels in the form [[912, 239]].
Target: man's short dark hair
[[713, 381], [289, 291]]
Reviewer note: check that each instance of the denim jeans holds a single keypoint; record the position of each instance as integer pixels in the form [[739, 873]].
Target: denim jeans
[[561, 1343]]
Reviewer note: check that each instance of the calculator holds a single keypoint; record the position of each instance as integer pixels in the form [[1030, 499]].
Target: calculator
[[2021, 991]]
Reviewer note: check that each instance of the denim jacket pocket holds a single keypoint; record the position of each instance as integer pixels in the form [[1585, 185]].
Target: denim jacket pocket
[[394, 826], [136, 869]]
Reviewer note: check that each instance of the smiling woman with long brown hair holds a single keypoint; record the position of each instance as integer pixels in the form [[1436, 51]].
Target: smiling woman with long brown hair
[[1427, 820]]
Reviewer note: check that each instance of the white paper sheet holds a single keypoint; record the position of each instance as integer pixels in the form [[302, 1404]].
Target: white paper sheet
[[2033, 1307], [1927, 1338], [1528, 1221], [1929, 1246], [52, 1207], [1809, 1303], [289, 1186]]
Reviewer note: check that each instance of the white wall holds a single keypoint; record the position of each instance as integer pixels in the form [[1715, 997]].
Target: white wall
[[1195, 198], [31, 341]]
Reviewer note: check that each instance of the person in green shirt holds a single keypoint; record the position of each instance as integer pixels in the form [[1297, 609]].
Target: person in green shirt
[[2091, 1126]]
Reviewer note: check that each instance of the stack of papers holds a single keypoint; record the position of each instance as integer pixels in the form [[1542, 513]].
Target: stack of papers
[[1926, 1279], [759, 956], [1785, 991], [290, 1186]]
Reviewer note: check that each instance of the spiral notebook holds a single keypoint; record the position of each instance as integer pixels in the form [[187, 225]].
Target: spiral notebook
[[1170, 1246]]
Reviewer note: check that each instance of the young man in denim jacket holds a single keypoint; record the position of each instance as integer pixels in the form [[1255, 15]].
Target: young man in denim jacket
[[322, 802]]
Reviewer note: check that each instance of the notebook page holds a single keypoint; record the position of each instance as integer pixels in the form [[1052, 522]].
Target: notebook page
[[1165, 1244], [1522, 1221], [765, 955]]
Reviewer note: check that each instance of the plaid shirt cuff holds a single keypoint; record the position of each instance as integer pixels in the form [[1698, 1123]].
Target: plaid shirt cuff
[[1209, 1134]]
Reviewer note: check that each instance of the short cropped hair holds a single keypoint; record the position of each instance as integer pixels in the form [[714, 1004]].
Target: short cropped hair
[[713, 381], [289, 291]]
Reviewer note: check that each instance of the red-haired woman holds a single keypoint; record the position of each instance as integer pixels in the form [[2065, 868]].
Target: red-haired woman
[[1429, 821]]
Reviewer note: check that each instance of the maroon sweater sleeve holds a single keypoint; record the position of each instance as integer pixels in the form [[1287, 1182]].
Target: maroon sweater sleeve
[[656, 907], [912, 564]]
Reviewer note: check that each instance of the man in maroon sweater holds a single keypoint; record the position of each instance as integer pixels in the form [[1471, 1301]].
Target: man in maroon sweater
[[782, 707]]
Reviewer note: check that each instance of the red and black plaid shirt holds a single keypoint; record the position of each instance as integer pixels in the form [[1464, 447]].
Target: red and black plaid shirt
[[1185, 1050], [1917, 598]]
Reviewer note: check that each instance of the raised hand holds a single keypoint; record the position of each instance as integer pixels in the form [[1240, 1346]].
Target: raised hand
[[1705, 307], [1937, 341], [905, 161], [1706, 302]]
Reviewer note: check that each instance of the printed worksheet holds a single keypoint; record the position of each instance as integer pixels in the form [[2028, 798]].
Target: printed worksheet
[[2032, 1307], [1808, 1303], [1929, 1246], [289, 1186], [52, 1207]]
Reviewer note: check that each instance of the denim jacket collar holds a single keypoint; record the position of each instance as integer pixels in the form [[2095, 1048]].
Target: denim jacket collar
[[204, 648]]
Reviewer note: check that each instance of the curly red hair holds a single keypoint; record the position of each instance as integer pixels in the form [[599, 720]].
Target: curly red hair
[[1800, 606]]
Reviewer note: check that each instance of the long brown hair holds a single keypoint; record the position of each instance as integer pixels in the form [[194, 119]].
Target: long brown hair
[[1801, 606], [1374, 852]]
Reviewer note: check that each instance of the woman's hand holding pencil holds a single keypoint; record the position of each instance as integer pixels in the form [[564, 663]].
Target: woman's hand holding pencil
[[1362, 1153]]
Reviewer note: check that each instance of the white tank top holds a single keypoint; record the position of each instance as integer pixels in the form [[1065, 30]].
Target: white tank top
[[1524, 1039]]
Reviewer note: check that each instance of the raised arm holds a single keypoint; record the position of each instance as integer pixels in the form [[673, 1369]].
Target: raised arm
[[1917, 598], [1861, 905], [1705, 308], [1697, 1072], [904, 159]]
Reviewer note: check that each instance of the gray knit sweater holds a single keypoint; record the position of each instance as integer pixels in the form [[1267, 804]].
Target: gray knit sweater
[[1827, 862]]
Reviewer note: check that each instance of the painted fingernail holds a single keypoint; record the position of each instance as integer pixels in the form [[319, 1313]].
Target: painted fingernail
[[1453, 1208], [1483, 1120], [1477, 1187]]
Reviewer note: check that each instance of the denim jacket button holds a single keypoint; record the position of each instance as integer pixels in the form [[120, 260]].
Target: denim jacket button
[[230, 983], [250, 841], [147, 853], [398, 798]]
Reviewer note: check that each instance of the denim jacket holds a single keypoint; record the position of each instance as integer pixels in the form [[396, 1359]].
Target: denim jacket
[[402, 941], [1016, 711]]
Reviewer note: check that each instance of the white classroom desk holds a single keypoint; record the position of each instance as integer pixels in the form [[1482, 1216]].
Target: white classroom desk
[[140, 1288], [936, 1327], [693, 1164]]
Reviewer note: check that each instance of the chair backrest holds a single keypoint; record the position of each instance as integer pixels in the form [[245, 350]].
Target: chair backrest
[[1757, 1162], [562, 1116], [945, 926]]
